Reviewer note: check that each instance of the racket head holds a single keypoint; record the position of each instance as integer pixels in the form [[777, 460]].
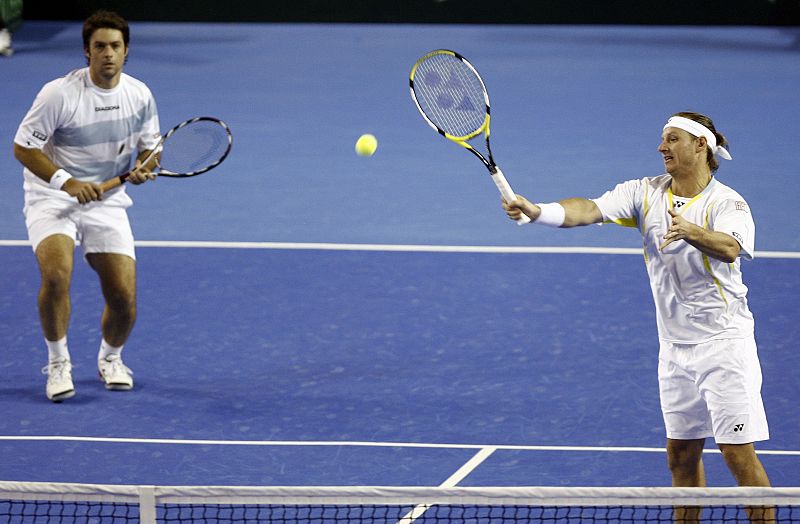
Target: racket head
[[194, 147], [450, 95]]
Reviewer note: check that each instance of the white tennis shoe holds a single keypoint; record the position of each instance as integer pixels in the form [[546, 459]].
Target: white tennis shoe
[[115, 374], [59, 380], [5, 43]]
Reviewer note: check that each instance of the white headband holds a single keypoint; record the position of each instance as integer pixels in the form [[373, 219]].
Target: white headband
[[698, 129]]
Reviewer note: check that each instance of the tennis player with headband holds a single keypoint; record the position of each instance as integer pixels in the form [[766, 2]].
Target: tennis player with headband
[[695, 231]]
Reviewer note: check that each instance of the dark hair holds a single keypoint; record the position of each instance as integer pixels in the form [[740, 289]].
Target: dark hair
[[105, 20], [713, 163]]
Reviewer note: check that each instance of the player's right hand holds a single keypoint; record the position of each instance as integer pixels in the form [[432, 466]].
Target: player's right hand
[[520, 206], [85, 192]]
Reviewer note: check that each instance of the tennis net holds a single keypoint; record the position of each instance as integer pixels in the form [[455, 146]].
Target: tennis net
[[34, 502]]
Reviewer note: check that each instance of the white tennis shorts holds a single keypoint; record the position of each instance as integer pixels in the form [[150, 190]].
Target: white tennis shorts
[[100, 227], [712, 389]]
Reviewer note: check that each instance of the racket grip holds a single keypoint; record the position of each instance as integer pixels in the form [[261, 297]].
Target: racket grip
[[111, 183], [505, 190]]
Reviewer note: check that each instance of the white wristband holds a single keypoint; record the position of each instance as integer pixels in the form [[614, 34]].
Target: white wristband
[[59, 178], [552, 214]]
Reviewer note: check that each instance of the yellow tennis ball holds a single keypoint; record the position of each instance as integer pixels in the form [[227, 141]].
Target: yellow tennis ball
[[366, 145]]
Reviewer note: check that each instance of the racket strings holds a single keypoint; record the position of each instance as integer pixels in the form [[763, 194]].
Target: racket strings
[[194, 147], [451, 95]]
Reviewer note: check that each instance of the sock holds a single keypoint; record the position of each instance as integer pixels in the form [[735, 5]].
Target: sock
[[107, 350], [57, 350]]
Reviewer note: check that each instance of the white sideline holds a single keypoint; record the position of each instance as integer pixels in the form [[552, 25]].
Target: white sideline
[[325, 246]]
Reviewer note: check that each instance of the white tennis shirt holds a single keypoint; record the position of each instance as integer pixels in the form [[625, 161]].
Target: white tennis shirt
[[91, 132], [698, 298]]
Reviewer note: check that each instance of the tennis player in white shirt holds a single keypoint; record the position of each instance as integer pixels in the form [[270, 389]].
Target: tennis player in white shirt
[[82, 129], [695, 231]]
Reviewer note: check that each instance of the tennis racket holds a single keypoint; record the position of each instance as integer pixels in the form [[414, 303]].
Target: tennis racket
[[452, 98], [191, 148]]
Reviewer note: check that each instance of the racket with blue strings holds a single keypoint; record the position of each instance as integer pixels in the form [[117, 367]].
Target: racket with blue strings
[[191, 148]]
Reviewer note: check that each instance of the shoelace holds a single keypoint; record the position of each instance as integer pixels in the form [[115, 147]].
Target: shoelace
[[57, 369], [117, 367]]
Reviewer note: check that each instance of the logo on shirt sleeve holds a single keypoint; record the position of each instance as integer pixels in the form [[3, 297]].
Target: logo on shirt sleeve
[[40, 136], [741, 205], [738, 237]]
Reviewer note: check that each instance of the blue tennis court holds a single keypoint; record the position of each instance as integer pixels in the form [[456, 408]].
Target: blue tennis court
[[310, 317]]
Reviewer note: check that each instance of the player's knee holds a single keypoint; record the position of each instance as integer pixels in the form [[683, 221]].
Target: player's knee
[[122, 302], [55, 281], [682, 465], [739, 457], [683, 459]]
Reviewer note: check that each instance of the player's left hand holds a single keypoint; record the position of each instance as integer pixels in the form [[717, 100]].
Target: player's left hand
[[679, 229], [140, 174]]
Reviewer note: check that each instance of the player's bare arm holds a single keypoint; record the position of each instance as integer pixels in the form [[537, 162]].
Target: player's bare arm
[[40, 165], [721, 246], [577, 211]]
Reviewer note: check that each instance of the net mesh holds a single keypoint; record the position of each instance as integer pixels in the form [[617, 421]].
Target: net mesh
[[450, 513], [83, 503], [32, 511]]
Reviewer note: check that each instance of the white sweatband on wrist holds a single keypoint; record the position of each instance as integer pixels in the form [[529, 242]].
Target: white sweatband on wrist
[[59, 178], [552, 214]]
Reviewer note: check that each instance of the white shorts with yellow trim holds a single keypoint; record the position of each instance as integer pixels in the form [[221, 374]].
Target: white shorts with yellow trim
[[712, 389]]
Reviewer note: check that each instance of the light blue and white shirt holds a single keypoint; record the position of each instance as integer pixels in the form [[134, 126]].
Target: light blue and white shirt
[[91, 132]]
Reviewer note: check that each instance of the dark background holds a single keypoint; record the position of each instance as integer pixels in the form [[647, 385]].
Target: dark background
[[681, 12]]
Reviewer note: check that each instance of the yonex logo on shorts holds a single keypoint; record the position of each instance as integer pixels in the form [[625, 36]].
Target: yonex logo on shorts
[[738, 427]]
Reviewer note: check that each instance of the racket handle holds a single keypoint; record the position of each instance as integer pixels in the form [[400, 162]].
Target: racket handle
[[505, 190], [117, 181]]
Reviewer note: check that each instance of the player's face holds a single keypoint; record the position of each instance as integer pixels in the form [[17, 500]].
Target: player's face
[[679, 149], [106, 54]]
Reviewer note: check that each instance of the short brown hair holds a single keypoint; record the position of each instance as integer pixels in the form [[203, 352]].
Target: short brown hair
[[105, 20]]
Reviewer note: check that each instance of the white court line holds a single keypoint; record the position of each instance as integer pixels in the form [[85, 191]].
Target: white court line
[[355, 443], [323, 246], [468, 467], [400, 247], [452, 481]]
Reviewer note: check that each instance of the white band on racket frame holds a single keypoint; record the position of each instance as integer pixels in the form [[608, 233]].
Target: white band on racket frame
[[508, 194], [552, 214]]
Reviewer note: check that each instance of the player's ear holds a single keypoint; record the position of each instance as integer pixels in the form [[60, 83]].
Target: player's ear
[[702, 144]]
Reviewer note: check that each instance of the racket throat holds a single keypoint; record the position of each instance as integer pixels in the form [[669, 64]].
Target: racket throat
[[492, 166]]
